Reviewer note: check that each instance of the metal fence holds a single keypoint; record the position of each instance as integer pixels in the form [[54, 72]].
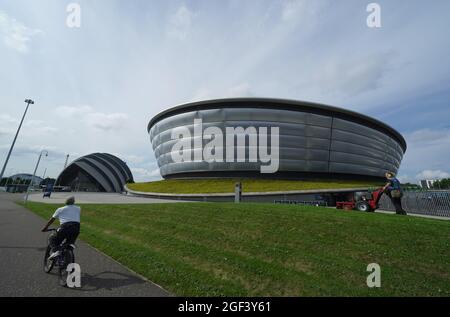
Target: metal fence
[[432, 202], [302, 203]]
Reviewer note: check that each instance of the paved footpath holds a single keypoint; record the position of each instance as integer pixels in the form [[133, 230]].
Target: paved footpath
[[97, 198], [22, 248]]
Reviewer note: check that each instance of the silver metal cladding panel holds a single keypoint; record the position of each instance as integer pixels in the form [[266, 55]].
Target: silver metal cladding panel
[[308, 142], [106, 171], [121, 164], [118, 175], [96, 174]]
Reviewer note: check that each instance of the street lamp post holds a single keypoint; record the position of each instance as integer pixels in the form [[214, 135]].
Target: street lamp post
[[29, 102], [34, 173]]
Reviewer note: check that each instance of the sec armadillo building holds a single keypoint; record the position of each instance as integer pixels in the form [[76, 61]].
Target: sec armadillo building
[[96, 172], [315, 140]]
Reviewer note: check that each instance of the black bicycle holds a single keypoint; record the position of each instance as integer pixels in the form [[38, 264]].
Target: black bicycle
[[61, 261]]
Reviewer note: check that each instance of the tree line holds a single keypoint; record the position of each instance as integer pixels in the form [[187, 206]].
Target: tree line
[[22, 181], [442, 184]]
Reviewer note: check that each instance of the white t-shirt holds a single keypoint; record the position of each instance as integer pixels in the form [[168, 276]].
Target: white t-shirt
[[68, 213]]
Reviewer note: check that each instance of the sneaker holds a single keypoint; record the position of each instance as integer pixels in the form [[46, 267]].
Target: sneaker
[[54, 255]]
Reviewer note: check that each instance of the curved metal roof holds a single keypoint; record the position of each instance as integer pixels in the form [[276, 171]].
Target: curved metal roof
[[106, 169], [285, 104]]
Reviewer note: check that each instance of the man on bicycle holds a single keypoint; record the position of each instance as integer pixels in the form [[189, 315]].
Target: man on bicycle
[[69, 219]]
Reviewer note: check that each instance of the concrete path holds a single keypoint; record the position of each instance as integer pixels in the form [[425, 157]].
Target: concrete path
[[96, 198], [22, 248]]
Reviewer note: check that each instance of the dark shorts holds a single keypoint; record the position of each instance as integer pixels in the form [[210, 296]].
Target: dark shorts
[[397, 202], [68, 231]]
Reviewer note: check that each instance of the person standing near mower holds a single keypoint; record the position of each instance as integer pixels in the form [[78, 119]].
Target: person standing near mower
[[395, 193]]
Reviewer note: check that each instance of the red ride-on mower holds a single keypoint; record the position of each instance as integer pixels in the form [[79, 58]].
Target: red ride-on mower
[[362, 201]]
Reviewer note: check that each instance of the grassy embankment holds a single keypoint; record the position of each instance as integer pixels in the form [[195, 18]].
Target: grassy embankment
[[207, 186], [204, 249]]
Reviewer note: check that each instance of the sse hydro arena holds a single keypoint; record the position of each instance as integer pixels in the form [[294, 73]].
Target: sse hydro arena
[[315, 141]]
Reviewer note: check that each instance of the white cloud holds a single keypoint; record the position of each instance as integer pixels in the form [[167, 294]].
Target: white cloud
[[428, 151], [35, 127], [106, 122], [240, 90], [15, 34], [432, 174], [47, 129], [70, 111], [180, 23], [352, 76], [202, 94], [407, 179], [142, 174], [293, 9], [428, 137], [130, 158], [97, 120], [8, 124], [34, 150], [7, 119]]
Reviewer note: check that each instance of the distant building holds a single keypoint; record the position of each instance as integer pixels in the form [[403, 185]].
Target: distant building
[[25, 177], [18, 183], [427, 183]]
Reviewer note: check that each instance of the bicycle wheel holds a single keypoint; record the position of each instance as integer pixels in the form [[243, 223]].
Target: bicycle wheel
[[68, 257], [48, 264]]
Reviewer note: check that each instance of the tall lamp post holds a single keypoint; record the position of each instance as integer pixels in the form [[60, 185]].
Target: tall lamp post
[[28, 102], [34, 173]]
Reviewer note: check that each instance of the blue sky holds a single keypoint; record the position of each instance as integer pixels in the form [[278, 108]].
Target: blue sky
[[97, 86]]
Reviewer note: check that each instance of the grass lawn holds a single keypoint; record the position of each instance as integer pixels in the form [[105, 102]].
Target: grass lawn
[[206, 249], [206, 186]]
